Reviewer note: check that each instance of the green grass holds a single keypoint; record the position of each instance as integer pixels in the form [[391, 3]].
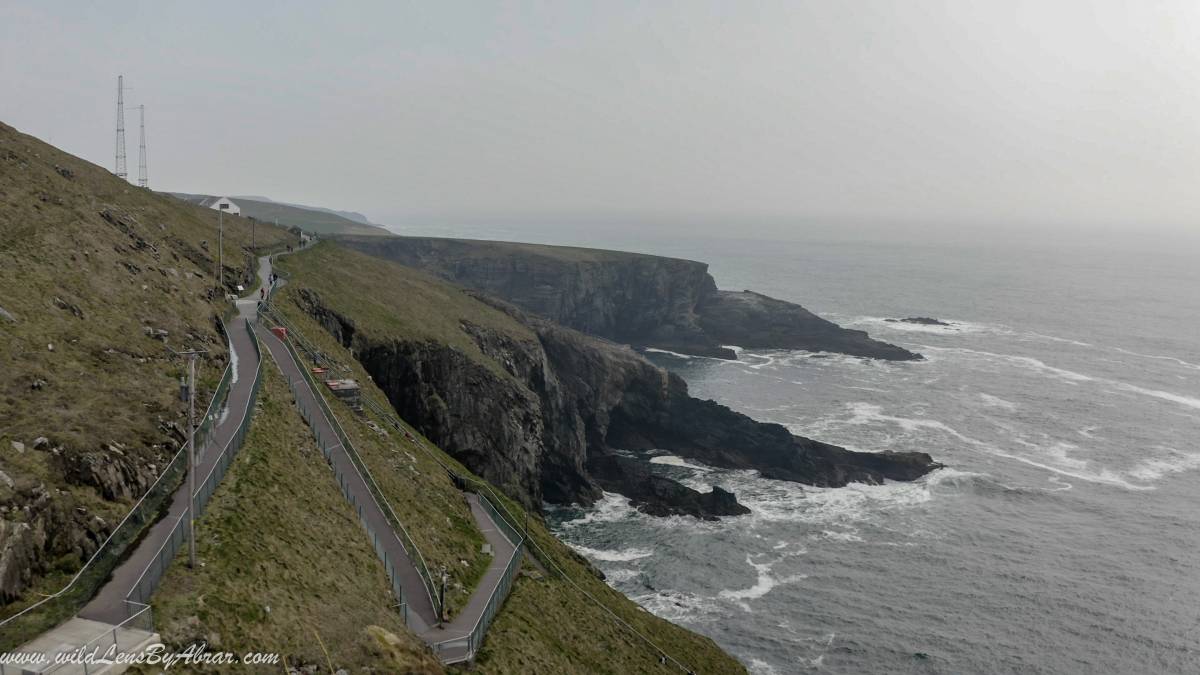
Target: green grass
[[88, 286], [547, 624], [432, 509], [391, 301], [285, 565]]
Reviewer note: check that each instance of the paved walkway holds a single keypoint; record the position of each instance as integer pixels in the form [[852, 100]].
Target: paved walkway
[[99, 621], [109, 604], [460, 629], [422, 618], [420, 607]]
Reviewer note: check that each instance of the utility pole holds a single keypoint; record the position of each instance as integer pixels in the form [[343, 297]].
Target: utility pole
[[221, 252], [142, 177], [120, 163], [191, 355]]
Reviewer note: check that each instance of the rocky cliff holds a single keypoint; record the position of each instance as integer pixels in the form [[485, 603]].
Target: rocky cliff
[[541, 409], [635, 299]]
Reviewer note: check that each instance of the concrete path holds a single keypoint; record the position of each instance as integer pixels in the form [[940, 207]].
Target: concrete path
[[455, 634], [98, 623], [422, 618], [420, 607], [109, 604]]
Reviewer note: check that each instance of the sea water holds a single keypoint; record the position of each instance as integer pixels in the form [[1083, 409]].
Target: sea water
[[1063, 536]]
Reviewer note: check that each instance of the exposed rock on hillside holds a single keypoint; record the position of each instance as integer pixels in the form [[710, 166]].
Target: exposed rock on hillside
[[636, 299], [544, 419]]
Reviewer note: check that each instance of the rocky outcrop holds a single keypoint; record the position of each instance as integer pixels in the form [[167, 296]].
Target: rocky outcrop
[[544, 420], [920, 321], [658, 495], [635, 299], [753, 320]]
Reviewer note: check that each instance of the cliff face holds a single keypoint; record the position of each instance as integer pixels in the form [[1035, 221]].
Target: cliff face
[[546, 424], [636, 299]]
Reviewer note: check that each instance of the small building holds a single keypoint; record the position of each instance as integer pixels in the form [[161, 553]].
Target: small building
[[346, 391], [222, 204]]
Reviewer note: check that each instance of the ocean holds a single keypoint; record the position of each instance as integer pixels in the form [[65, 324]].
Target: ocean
[[1063, 536]]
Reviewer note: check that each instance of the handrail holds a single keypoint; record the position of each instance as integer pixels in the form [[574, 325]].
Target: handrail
[[237, 438], [146, 625], [369, 480], [539, 553], [220, 393]]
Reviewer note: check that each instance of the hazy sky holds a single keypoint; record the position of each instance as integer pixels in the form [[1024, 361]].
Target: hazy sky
[[974, 114]]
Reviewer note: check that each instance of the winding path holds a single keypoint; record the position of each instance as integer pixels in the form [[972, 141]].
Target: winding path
[[99, 624], [109, 604], [450, 641]]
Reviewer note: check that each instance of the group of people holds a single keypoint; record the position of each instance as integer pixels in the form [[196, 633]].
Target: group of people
[[271, 279]]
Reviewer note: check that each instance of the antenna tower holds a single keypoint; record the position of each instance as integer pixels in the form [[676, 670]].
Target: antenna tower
[[121, 173], [142, 177]]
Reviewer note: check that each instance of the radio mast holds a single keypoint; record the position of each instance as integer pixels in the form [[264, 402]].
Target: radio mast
[[120, 169]]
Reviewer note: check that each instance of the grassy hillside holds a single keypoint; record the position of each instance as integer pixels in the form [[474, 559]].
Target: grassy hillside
[[89, 267], [391, 300], [285, 565], [548, 624], [431, 508], [320, 221]]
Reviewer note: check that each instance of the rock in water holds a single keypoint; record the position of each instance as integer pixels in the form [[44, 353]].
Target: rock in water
[[919, 320]]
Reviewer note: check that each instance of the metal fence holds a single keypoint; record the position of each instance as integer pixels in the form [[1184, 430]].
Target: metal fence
[[342, 438], [502, 515], [470, 643], [143, 588], [327, 451], [54, 608], [125, 638]]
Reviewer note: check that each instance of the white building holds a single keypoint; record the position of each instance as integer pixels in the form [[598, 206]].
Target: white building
[[222, 204]]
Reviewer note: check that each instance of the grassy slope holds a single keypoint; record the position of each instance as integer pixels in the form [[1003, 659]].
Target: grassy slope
[[77, 282], [484, 249], [547, 625], [306, 219], [433, 511], [286, 566]]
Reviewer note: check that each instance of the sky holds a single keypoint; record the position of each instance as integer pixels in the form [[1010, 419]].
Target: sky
[[727, 116]]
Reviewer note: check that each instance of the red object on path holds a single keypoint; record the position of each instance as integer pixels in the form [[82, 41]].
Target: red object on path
[[280, 332]]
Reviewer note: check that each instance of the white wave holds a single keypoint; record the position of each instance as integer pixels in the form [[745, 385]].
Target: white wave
[[610, 508], [1027, 362], [760, 667], [679, 606], [907, 327], [623, 555], [668, 352], [1164, 395], [1174, 462], [618, 576], [1052, 338], [1159, 357], [847, 537], [763, 585], [672, 460], [997, 402]]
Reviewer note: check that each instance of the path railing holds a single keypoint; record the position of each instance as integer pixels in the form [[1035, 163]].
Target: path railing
[[81, 587], [143, 588], [114, 641], [327, 451], [514, 525], [410, 546]]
